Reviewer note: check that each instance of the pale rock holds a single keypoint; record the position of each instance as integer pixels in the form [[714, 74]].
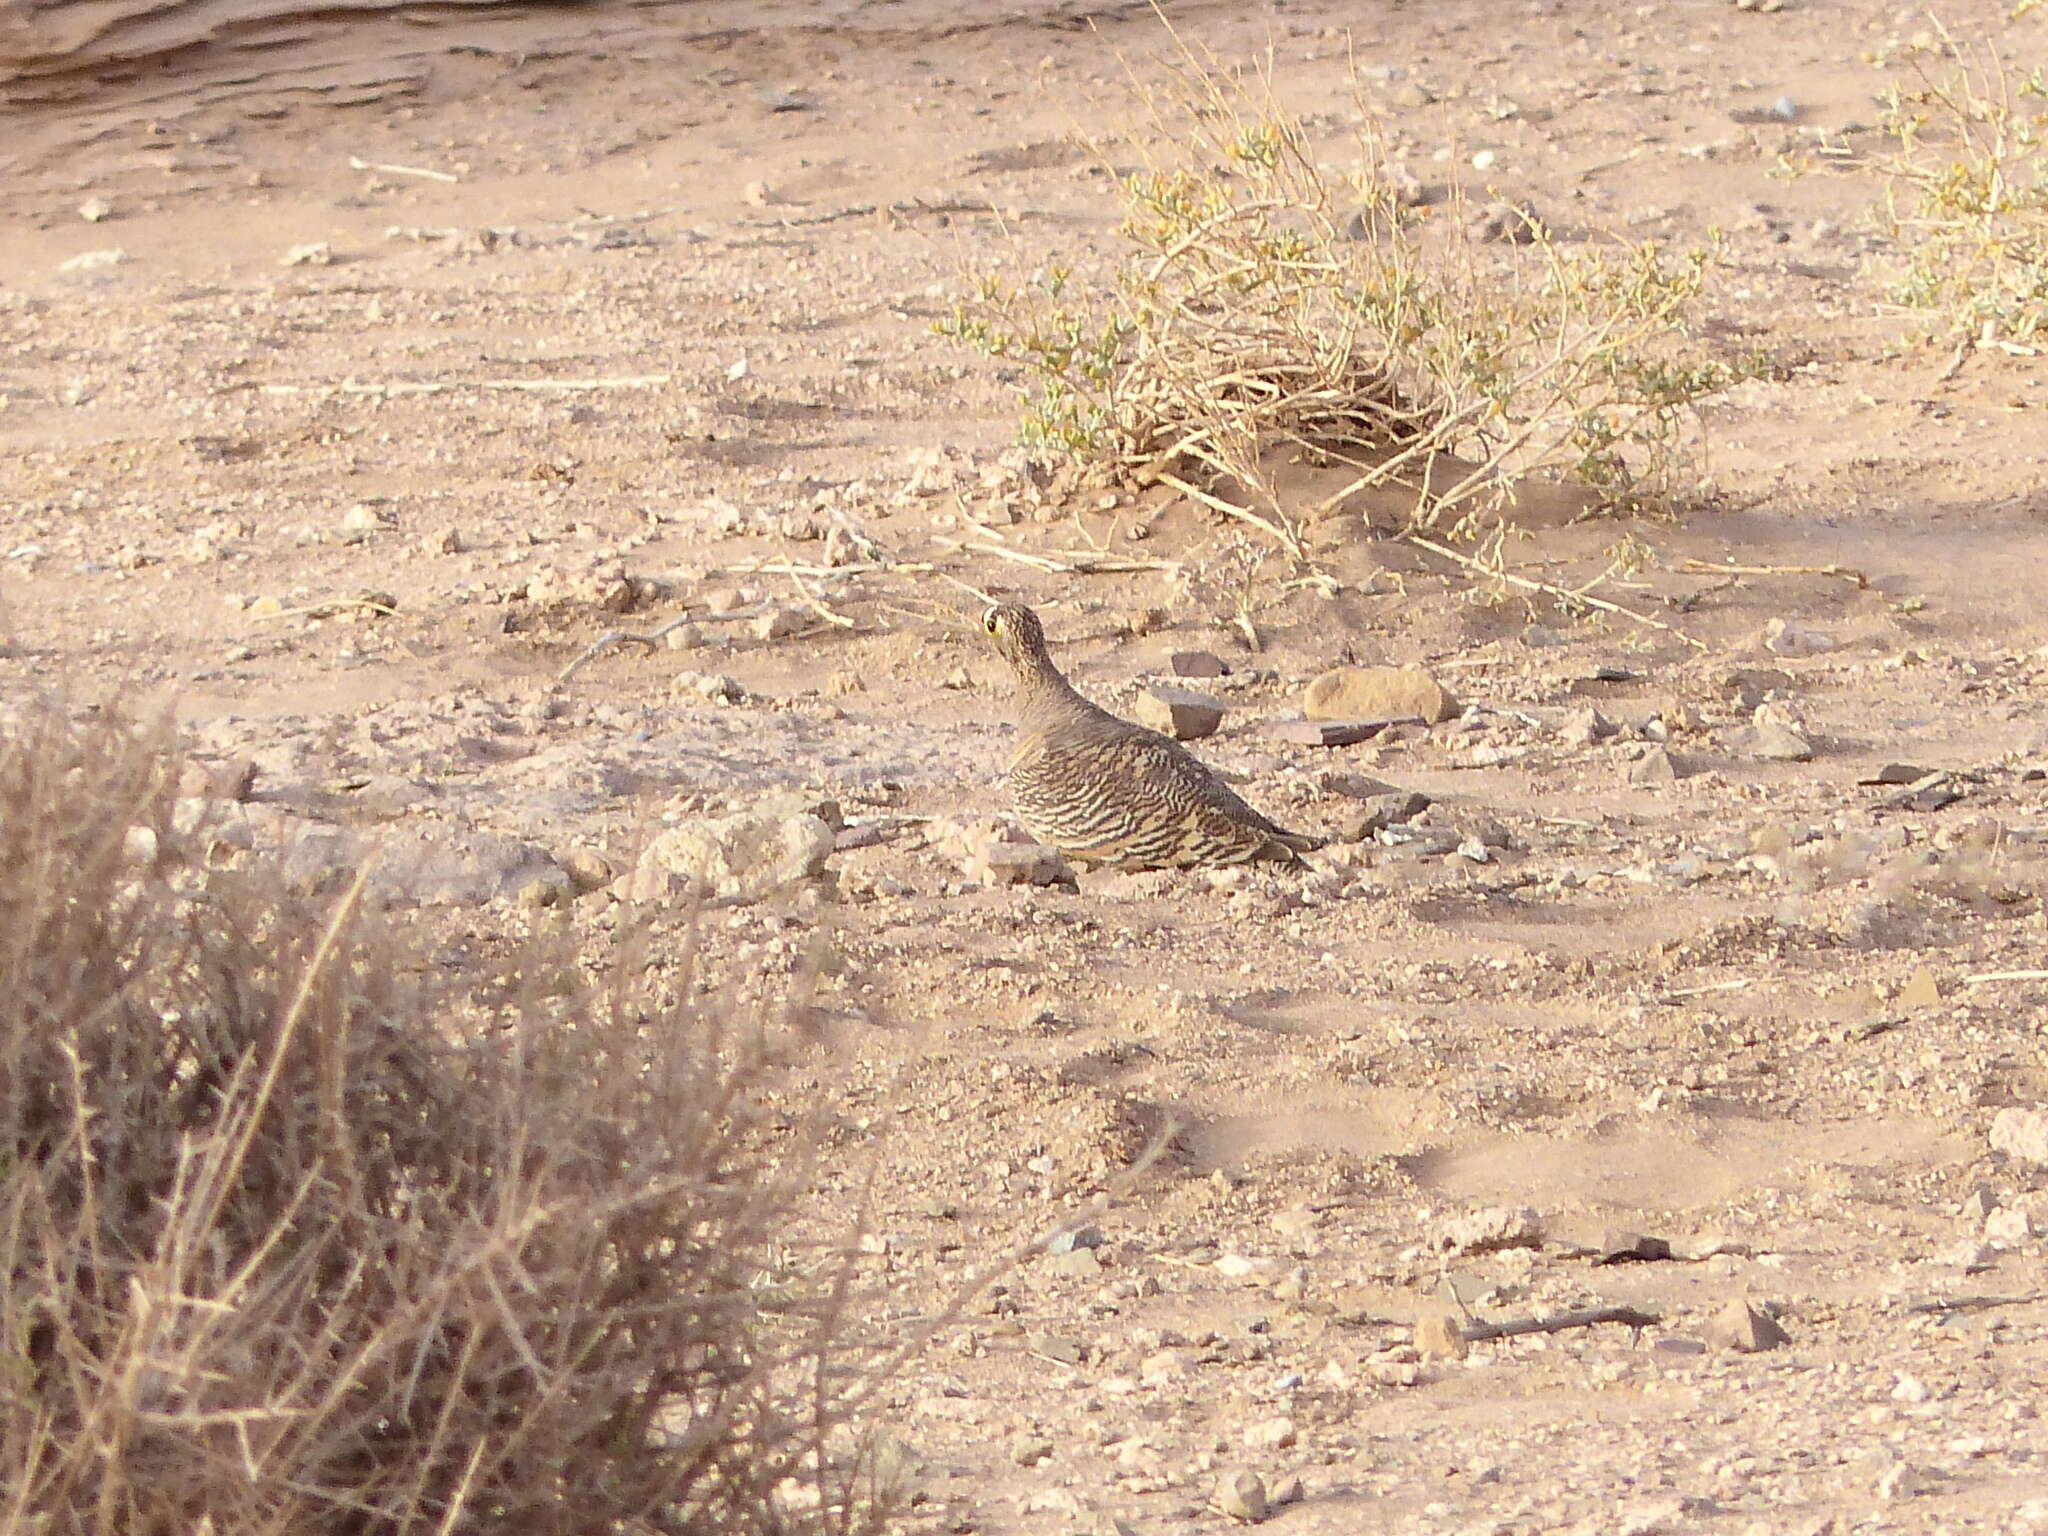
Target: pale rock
[[2021, 1134], [740, 857], [1178, 712], [1377, 693]]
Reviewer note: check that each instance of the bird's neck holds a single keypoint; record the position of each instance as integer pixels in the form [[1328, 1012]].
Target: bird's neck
[[1044, 695]]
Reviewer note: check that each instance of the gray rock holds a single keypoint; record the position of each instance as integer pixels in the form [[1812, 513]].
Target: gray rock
[[1197, 664], [1074, 1237], [2022, 1134], [742, 857], [1377, 693], [1178, 712]]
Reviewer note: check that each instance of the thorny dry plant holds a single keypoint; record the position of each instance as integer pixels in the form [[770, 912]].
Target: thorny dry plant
[[1270, 311], [1966, 187], [304, 1235]]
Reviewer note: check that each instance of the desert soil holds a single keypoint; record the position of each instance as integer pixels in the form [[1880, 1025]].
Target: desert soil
[[417, 373]]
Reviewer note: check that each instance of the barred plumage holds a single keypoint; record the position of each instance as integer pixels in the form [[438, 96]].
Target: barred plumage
[[1105, 791]]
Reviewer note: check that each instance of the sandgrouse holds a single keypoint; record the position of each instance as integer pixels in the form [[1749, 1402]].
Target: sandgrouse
[[1106, 792]]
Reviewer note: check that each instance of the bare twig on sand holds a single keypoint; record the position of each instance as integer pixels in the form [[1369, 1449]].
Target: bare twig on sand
[[1566, 595], [1942, 1304], [2006, 976], [355, 163], [652, 637], [412, 387], [1718, 568], [1558, 1322]]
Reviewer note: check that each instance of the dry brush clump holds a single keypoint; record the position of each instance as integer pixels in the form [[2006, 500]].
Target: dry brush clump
[[1269, 312], [1966, 184], [301, 1237]]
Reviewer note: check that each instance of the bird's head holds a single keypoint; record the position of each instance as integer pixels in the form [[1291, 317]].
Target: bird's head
[[1017, 635]]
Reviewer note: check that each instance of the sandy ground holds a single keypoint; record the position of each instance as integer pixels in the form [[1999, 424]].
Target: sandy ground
[[1649, 982]]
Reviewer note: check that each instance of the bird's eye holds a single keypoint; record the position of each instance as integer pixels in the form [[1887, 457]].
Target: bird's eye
[[992, 623]]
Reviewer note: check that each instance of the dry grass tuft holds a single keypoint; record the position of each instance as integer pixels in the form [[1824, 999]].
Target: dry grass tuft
[[300, 1238], [1272, 313]]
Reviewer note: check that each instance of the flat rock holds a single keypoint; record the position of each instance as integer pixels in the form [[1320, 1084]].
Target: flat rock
[[1899, 773], [1438, 1336], [1583, 727], [1377, 693], [2021, 1133], [741, 857], [1178, 712], [1742, 1328], [1328, 733]]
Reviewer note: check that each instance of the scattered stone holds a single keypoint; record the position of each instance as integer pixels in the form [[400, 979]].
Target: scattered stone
[[588, 871], [95, 210], [1328, 733], [1178, 712], [1028, 1450], [714, 687], [1243, 1497], [92, 261], [1903, 1480], [318, 253], [1074, 1237], [1488, 1230], [1751, 686], [1773, 741], [1583, 727], [760, 195], [1742, 1328], [1922, 991], [1274, 1434], [1381, 812], [2011, 1226], [1377, 693], [779, 623], [1618, 1246], [1900, 773], [1438, 1336], [1910, 1389], [741, 857], [1197, 664], [803, 802], [1505, 224], [1781, 637], [2022, 1134], [1659, 765], [1000, 863], [232, 779], [1785, 110], [1287, 1491]]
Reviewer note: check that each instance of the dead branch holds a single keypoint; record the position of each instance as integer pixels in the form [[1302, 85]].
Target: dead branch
[[1717, 568], [1558, 1322], [1550, 589]]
